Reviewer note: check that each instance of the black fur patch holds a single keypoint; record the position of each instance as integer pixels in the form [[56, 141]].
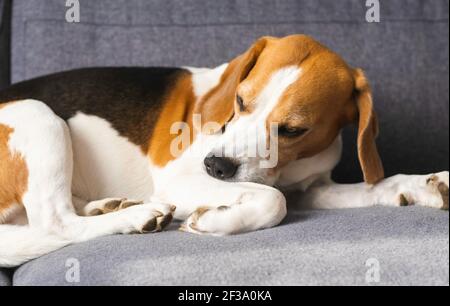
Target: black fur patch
[[129, 98]]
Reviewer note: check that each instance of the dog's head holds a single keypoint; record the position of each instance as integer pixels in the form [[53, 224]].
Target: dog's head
[[293, 93]]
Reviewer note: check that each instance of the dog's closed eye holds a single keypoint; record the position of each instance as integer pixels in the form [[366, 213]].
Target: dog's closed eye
[[240, 103], [287, 131]]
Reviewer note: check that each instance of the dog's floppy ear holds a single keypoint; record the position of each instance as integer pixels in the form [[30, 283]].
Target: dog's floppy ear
[[218, 104], [369, 158]]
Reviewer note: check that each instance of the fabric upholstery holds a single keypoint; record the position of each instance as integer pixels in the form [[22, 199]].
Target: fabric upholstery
[[5, 31], [405, 56], [5, 278], [2, 7], [310, 248]]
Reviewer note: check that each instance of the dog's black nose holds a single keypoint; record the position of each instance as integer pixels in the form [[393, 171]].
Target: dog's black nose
[[220, 167]]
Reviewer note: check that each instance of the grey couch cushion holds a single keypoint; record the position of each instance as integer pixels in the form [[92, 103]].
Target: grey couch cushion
[[405, 56], [4, 78], [5, 29], [315, 247], [5, 278], [2, 4]]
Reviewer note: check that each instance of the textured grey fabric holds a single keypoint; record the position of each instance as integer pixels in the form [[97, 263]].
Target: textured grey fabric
[[405, 56], [2, 4], [4, 76], [5, 278], [179, 26], [406, 59], [310, 248], [5, 31]]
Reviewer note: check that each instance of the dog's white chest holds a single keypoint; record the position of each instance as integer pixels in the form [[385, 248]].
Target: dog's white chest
[[105, 163]]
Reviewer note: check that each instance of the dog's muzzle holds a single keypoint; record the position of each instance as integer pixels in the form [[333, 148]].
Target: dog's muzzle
[[220, 167]]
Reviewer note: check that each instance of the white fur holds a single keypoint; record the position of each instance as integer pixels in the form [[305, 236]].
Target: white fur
[[19, 244], [415, 188], [108, 165], [250, 131], [189, 168], [302, 173], [105, 163], [205, 79], [43, 140]]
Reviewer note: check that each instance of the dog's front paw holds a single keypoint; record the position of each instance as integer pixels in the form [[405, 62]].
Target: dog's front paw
[[109, 205], [149, 218], [430, 191], [208, 221]]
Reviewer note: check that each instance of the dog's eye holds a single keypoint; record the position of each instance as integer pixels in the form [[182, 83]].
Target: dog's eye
[[288, 131], [240, 103]]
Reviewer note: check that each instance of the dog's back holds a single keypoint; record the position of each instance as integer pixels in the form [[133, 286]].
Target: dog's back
[[126, 97]]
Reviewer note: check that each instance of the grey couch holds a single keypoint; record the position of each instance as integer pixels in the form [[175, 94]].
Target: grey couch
[[406, 57]]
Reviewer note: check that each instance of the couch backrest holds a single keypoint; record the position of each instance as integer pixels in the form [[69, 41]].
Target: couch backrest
[[5, 48], [406, 55]]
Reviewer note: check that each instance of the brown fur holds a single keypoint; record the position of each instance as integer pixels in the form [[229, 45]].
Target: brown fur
[[178, 107], [316, 101], [368, 131], [327, 96], [218, 104], [13, 173]]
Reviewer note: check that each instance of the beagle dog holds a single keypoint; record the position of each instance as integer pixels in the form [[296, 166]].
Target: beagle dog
[[102, 151]]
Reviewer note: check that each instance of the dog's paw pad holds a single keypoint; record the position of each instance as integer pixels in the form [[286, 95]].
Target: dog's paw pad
[[112, 205], [95, 212], [443, 190], [190, 225], [128, 203], [150, 227], [160, 217], [431, 192], [105, 206], [432, 179], [164, 221], [208, 221], [439, 183], [404, 200]]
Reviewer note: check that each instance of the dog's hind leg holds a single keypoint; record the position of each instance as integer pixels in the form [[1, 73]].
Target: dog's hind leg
[[41, 140], [400, 190]]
